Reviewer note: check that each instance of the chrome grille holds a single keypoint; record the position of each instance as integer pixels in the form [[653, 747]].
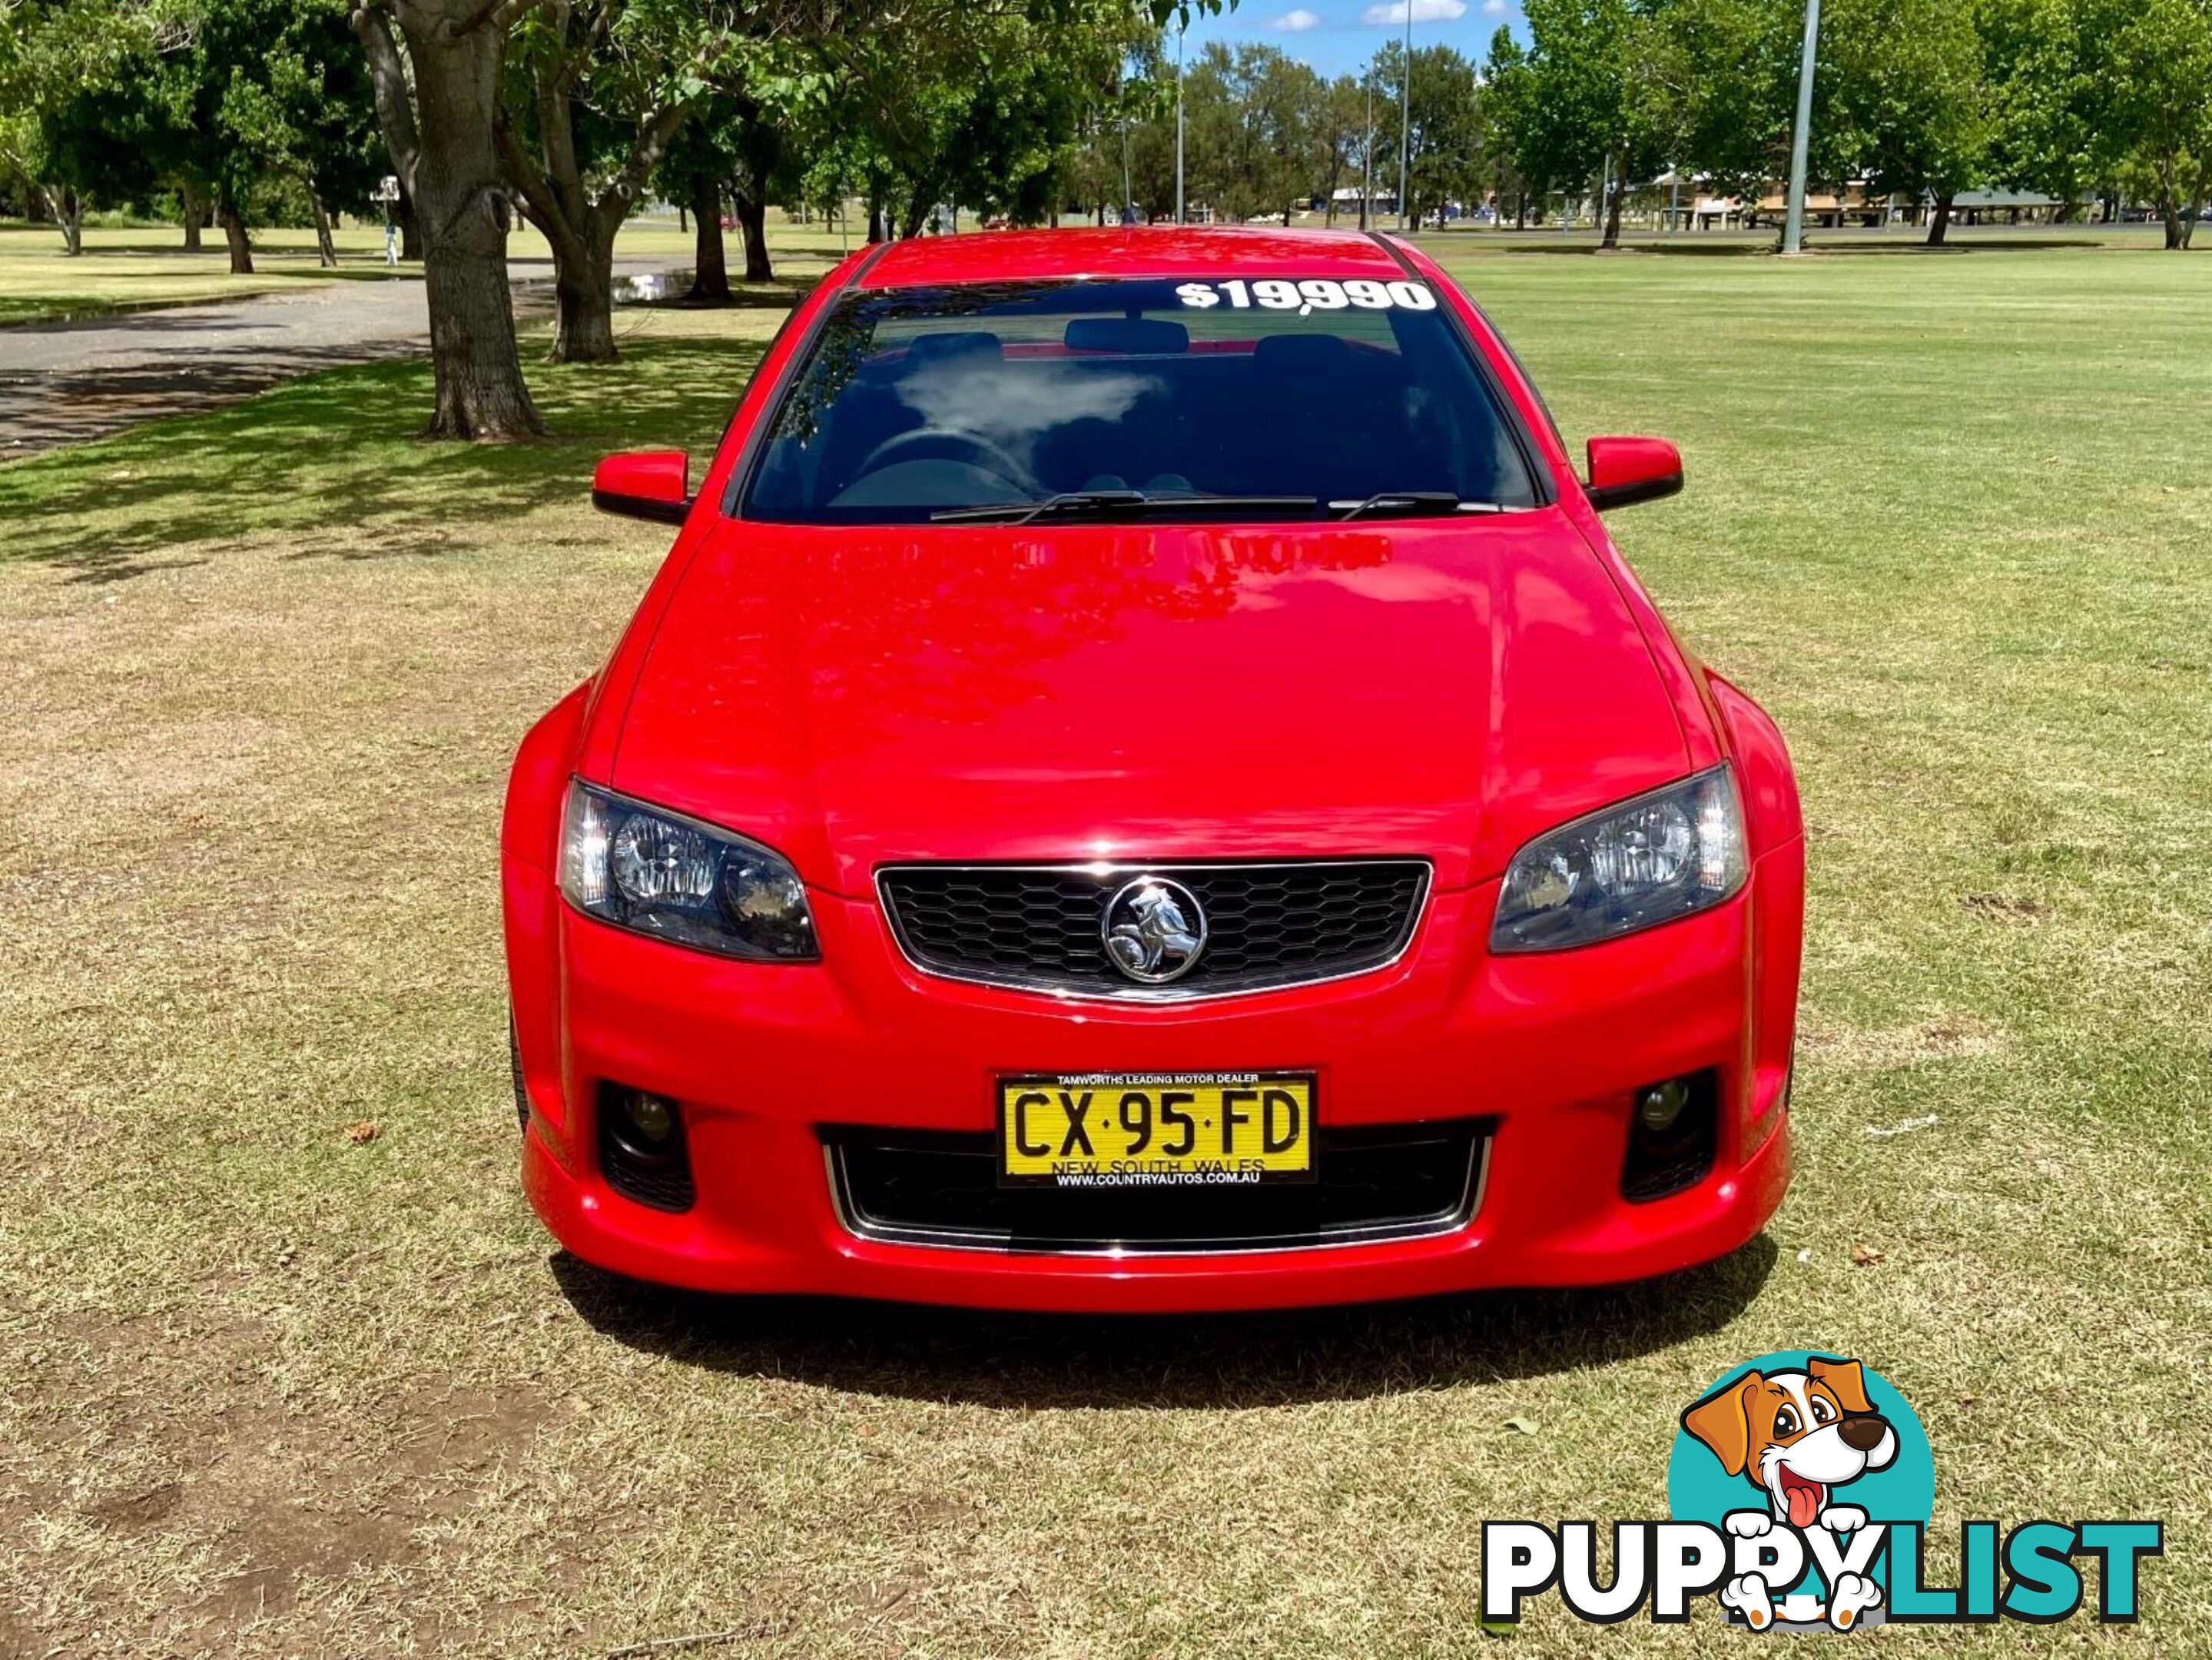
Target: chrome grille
[[1268, 925], [1372, 1182]]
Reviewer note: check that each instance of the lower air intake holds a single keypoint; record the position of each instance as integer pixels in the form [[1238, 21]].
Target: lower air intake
[[1397, 1182]]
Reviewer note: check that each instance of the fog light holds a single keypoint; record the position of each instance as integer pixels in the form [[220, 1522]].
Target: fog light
[[1674, 1134], [652, 1117], [1660, 1107], [642, 1151]]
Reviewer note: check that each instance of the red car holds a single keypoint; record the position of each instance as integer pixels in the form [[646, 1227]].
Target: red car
[[1144, 784]]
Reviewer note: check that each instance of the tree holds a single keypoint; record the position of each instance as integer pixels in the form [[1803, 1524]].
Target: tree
[[2043, 123], [259, 97], [1912, 97], [1445, 142], [1595, 99], [2154, 91], [984, 108], [1338, 126], [437, 105], [1248, 142], [1288, 98], [1730, 67], [733, 149], [695, 170], [761, 172], [1148, 95], [595, 90], [1120, 158], [1507, 86], [78, 123]]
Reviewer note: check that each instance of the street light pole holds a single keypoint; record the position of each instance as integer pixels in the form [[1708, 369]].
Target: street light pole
[[1179, 34], [1406, 118], [1367, 154], [1121, 92], [1793, 225]]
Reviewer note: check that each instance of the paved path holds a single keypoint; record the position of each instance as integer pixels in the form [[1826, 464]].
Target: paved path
[[61, 383]]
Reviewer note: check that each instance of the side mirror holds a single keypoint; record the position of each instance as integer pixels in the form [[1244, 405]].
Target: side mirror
[[1625, 470], [653, 484]]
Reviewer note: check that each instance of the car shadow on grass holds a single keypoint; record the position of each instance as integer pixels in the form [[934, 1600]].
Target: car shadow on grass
[[975, 1358]]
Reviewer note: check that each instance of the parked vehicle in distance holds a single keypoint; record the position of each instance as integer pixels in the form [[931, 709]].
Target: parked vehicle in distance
[[1144, 784]]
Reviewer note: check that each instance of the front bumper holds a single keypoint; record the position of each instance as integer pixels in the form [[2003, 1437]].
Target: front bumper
[[765, 1059]]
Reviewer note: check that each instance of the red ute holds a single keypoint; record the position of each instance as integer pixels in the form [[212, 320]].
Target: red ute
[[1143, 784]]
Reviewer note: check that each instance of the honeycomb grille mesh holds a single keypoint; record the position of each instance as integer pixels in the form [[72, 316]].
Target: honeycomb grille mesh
[[1267, 924]]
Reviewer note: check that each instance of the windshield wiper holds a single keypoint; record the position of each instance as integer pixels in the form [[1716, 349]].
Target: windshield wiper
[[1411, 503], [1108, 504]]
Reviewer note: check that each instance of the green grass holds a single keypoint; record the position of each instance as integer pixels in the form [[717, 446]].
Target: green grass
[[136, 269], [139, 269], [265, 1391]]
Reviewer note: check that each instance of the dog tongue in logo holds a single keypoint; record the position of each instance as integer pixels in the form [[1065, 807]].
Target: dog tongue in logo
[[1803, 1496]]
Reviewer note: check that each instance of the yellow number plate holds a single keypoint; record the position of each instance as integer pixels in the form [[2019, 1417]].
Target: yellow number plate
[[1137, 1130]]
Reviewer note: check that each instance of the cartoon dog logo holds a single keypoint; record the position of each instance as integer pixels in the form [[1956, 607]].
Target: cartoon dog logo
[[1798, 1437]]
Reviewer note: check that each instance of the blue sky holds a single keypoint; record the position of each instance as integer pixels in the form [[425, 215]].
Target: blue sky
[[1336, 36]]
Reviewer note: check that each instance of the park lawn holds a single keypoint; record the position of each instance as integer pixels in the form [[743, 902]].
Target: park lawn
[[139, 270], [264, 1390]]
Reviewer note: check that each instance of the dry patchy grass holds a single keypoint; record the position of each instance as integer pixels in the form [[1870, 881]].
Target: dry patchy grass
[[267, 1388]]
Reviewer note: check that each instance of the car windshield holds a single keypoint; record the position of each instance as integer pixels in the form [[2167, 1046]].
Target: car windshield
[[1270, 399]]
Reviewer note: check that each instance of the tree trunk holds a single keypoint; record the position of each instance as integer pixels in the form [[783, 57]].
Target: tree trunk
[[460, 200], [233, 232], [410, 225], [68, 210], [326, 249], [547, 173], [453, 206], [878, 229], [584, 300], [191, 202], [917, 213], [759, 153], [710, 270], [2176, 188], [751, 215], [1939, 222]]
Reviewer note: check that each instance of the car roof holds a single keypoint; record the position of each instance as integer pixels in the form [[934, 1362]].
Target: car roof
[[1137, 251]]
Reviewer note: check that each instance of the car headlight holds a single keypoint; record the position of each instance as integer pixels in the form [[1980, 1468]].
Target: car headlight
[[661, 873], [1646, 862]]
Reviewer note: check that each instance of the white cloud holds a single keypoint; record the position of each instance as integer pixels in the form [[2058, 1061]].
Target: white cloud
[[1496, 8], [964, 395], [1298, 22], [1425, 11]]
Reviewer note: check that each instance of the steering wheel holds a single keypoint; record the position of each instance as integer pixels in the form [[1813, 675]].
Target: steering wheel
[[988, 455]]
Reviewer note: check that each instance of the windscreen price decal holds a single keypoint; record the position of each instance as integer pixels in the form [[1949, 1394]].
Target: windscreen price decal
[[1309, 295]]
